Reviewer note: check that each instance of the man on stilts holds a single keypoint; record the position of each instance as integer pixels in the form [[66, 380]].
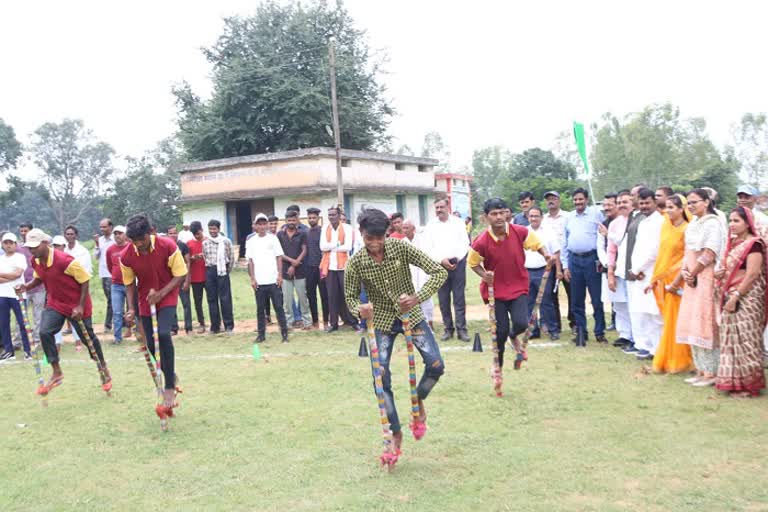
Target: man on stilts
[[498, 256], [66, 283], [160, 269], [383, 267]]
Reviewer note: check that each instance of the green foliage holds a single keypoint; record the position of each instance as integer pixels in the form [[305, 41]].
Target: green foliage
[[498, 172], [151, 186], [271, 86], [658, 147], [10, 148], [75, 169], [751, 137]]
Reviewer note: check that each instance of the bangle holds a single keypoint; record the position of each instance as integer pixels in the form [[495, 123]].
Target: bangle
[[737, 294]]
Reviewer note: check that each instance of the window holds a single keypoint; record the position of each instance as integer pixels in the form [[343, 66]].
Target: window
[[348, 209], [400, 204], [346, 162], [422, 210], [399, 167], [423, 168]]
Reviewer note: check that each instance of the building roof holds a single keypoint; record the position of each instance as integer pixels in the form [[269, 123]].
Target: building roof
[[306, 153]]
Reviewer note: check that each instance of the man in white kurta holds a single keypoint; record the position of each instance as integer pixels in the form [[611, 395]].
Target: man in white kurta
[[647, 322], [418, 276], [616, 289]]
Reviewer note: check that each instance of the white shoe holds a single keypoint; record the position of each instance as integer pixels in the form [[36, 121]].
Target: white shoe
[[703, 383], [691, 380]]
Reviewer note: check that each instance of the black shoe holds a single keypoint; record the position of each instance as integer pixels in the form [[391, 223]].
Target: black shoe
[[446, 336], [463, 336], [554, 336], [621, 342], [536, 336], [260, 339], [285, 338], [7, 356], [601, 339], [330, 328], [175, 332], [630, 349]]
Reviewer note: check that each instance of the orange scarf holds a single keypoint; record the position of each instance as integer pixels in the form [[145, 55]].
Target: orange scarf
[[341, 257]]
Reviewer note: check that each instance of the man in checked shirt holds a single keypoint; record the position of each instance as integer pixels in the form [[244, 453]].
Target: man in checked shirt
[[384, 269]]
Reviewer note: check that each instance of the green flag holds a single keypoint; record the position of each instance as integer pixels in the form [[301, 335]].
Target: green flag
[[578, 134]]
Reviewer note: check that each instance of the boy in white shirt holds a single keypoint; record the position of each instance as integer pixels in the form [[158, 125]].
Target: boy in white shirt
[[12, 267], [265, 255]]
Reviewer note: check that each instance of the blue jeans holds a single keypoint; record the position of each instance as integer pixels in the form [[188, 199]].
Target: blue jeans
[[424, 341], [547, 310], [363, 300], [118, 306], [7, 305], [584, 276]]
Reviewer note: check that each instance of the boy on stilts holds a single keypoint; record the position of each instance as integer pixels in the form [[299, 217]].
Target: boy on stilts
[[160, 269], [66, 283], [383, 267], [498, 256]]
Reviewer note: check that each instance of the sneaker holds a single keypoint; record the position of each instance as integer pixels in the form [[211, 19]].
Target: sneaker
[[229, 332], [643, 355], [27, 356], [554, 336], [601, 339], [7, 356], [630, 349], [285, 338], [260, 339], [703, 383], [621, 342]]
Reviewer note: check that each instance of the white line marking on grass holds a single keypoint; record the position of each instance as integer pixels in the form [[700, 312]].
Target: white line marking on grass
[[217, 357]]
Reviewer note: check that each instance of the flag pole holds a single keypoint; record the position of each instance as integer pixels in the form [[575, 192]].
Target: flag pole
[[578, 135]]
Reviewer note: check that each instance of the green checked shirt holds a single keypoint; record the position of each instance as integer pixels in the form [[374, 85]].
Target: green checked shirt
[[385, 282]]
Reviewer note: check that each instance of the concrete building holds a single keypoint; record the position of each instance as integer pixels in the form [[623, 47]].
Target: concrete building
[[457, 188], [234, 190]]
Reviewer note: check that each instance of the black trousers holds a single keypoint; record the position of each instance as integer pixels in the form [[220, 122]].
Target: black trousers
[[334, 282], [313, 283], [165, 317], [555, 299], [219, 293], [455, 284], [186, 307], [515, 310], [265, 294], [106, 286], [197, 295], [52, 322]]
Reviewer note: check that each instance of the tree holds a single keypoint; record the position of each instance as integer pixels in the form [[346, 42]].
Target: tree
[[271, 85], [10, 148], [434, 147], [656, 147], [488, 164], [751, 147], [151, 186], [75, 169]]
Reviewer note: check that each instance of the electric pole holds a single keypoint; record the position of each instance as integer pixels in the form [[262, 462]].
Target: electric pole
[[336, 134]]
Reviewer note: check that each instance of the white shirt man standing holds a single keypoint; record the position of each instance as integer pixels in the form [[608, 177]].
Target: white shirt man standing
[[418, 276], [12, 267], [336, 242], [555, 219], [265, 255], [536, 264], [100, 246], [448, 245], [616, 289], [646, 318]]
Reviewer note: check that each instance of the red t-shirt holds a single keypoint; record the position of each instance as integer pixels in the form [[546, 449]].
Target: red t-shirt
[[63, 290], [154, 270], [113, 262], [196, 267], [397, 236], [506, 258]]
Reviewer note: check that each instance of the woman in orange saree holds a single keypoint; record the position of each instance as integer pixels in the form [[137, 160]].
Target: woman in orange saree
[[671, 356]]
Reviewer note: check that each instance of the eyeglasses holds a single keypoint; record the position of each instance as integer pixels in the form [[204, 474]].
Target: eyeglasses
[[694, 203]]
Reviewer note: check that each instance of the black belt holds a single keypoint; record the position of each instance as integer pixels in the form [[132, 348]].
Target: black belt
[[585, 254], [537, 268]]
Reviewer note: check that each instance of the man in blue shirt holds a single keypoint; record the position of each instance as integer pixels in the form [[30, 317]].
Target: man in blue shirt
[[580, 265], [526, 200]]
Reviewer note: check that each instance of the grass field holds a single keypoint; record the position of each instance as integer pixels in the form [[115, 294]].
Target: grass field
[[298, 430], [576, 430]]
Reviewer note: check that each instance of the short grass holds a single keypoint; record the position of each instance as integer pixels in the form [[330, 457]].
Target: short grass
[[576, 430]]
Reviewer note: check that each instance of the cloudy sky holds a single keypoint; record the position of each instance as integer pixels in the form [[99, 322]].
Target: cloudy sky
[[480, 72]]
